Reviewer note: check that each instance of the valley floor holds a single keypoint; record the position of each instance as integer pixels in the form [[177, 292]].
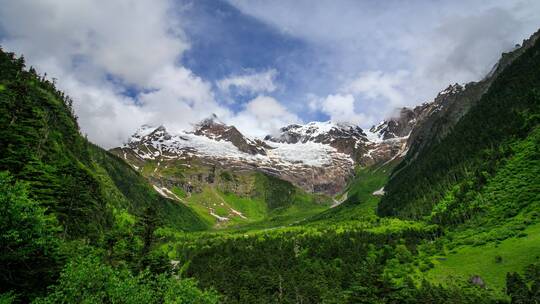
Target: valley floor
[[491, 261], [278, 252]]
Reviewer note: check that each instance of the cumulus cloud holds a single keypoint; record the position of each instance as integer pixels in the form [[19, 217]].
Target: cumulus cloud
[[464, 48], [379, 85], [389, 54], [129, 39], [96, 50], [262, 116], [340, 108], [104, 115], [251, 83]]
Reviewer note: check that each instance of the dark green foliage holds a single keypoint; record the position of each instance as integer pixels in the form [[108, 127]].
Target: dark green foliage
[[288, 266], [276, 192], [226, 176], [88, 280], [454, 293], [29, 250], [149, 221], [513, 189], [41, 145], [8, 298], [524, 289], [517, 288], [324, 265], [476, 147], [138, 195], [77, 197]]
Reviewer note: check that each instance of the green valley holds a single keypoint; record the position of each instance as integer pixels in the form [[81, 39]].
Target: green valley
[[449, 213], [229, 199]]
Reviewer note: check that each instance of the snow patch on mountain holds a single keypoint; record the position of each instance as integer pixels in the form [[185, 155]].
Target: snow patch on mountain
[[379, 192], [154, 143], [373, 137], [317, 131], [309, 153]]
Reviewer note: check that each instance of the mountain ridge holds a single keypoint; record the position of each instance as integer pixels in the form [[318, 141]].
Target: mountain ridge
[[316, 148]]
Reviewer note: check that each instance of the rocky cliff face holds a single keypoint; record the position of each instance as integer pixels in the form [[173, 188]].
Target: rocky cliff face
[[214, 129], [399, 126]]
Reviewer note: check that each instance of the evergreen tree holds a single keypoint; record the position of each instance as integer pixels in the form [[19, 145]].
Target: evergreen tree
[[29, 258], [517, 289]]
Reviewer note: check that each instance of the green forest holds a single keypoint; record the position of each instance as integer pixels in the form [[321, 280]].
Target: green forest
[[459, 222]]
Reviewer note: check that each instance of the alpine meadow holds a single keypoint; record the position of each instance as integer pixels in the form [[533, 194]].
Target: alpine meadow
[[269, 152]]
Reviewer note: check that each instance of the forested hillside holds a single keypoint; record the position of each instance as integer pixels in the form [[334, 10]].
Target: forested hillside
[[65, 200], [469, 207], [447, 174], [458, 222]]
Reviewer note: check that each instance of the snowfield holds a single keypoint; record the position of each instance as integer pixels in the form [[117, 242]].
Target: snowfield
[[157, 142]]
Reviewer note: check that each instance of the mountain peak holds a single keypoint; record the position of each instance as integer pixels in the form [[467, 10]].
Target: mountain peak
[[398, 126], [345, 138], [452, 89], [146, 131], [210, 120]]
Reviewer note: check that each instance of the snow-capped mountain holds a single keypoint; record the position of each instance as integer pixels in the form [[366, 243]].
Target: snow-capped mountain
[[215, 129], [318, 156], [227, 144], [313, 166], [345, 138]]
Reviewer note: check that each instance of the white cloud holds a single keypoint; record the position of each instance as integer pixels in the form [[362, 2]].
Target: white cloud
[[262, 82], [83, 43], [377, 85], [391, 53], [262, 116], [181, 98], [104, 115], [464, 47], [341, 108], [129, 39]]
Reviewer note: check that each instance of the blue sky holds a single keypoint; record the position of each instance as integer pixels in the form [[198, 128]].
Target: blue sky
[[257, 64], [226, 42]]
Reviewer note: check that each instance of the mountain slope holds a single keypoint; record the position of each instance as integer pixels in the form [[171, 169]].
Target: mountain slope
[[227, 196], [216, 170], [475, 147], [318, 157], [42, 145]]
